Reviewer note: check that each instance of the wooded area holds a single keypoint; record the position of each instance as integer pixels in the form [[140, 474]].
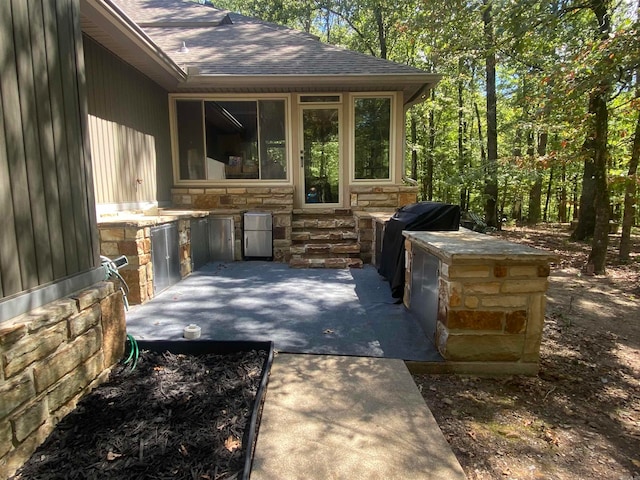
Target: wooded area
[[537, 117]]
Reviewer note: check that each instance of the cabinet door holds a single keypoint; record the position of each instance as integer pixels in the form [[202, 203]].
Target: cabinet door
[[165, 256]]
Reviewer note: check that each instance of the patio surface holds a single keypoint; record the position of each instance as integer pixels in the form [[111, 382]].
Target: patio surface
[[341, 404], [321, 311]]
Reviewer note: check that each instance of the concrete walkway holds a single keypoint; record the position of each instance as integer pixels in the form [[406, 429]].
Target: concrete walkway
[[330, 417]]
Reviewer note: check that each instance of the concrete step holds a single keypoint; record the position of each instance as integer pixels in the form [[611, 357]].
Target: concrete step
[[325, 262]]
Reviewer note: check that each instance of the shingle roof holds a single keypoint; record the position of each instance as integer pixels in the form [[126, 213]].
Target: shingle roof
[[222, 43]]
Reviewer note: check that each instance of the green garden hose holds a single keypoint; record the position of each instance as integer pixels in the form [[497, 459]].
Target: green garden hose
[[134, 352]]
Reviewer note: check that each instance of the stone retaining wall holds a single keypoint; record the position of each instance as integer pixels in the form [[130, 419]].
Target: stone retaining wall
[[49, 359]]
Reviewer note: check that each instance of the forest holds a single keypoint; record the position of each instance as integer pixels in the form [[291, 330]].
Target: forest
[[537, 116]]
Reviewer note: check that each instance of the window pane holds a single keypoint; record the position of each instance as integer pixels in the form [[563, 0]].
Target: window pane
[[372, 137], [190, 139], [232, 139], [273, 151]]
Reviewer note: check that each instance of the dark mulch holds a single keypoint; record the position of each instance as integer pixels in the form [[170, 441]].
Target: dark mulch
[[173, 417]]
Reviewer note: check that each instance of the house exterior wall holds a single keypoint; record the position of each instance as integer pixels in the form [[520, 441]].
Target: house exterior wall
[[129, 133], [46, 197]]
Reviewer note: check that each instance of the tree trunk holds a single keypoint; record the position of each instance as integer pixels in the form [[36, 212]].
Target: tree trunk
[[548, 199], [491, 178], [461, 153], [430, 154], [535, 194], [562, 201], [382, 37], [600, 97], [630, 195]]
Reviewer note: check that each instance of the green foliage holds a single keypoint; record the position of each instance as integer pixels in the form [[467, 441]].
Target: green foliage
[[551, 56]]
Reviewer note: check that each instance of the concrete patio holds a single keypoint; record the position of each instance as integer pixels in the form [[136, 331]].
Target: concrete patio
[[319, 311], [341, 404]]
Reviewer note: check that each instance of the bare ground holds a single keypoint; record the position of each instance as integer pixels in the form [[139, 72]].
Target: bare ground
[[580, 417]]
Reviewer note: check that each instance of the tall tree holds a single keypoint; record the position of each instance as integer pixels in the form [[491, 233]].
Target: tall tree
[[491, 178]]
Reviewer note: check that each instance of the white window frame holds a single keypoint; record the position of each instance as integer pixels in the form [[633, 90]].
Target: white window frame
[[393, 127], [175, 155]]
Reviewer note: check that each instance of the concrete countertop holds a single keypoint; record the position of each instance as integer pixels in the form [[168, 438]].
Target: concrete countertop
[[158, 216], [465, 244]]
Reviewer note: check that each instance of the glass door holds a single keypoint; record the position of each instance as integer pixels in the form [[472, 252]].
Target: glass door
[[320, 155]]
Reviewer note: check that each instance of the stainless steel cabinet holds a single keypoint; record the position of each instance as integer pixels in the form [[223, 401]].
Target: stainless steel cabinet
[[221, 239], [165, 256], [258, 234]]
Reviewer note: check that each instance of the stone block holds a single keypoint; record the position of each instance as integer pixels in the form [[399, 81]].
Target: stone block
[[206, 202], [111, 234], [128, 247], [84, 320], [486, 288], [236, 191], [523, 271], [133, 233], [28, 420], [282, 190], [33, 348], [348, 248], [75, 382], [109, 249], [500, 271], [14, 393], [374, 196], [471, 302], [318, 249], [226, 200], [353, 200], [65, 360], [544, 270], [515, 322], [474, 320], [537, 305], [531, 350], [92, 295], [114, 328], [11, 462], [278, 200], [524, 286], [6, 441], [10, 334], [406, 199], [504, 301], [215, 191], [483, 348], [51, 314], [279, 233], [469, 271]]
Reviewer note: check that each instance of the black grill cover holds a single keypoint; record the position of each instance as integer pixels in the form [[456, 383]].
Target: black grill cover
[[421, 216]]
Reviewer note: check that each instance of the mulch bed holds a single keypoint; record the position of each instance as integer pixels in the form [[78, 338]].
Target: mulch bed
[[172, 417]]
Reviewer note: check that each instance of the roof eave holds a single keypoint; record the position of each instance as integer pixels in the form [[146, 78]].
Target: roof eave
[[414, 85], [109, 17]]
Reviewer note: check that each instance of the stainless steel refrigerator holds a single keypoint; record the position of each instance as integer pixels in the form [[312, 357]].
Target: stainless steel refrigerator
[[258, 235]]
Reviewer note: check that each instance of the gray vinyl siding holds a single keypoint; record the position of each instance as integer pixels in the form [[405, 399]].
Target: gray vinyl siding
[[48, 227], [129, 131]]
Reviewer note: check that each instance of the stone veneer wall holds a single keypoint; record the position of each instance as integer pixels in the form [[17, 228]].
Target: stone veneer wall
[[235, 200], [489, 310], [134, 242], [49, 359], [374, 198]]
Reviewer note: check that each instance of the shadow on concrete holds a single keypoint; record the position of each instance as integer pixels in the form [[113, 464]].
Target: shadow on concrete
[[316, 311]]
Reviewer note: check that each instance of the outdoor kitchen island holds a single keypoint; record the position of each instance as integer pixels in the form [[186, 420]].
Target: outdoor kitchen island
[[480, 299]]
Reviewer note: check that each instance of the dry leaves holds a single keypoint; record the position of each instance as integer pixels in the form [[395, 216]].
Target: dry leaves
[[232, 443], [111, 456]]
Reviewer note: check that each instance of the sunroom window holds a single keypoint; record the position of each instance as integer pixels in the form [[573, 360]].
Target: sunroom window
[[372, 118], [235, 139]]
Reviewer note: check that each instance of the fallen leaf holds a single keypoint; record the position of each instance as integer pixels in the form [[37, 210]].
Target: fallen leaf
[[111, 456], [636, 462], [232, 443], [183, 450]]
